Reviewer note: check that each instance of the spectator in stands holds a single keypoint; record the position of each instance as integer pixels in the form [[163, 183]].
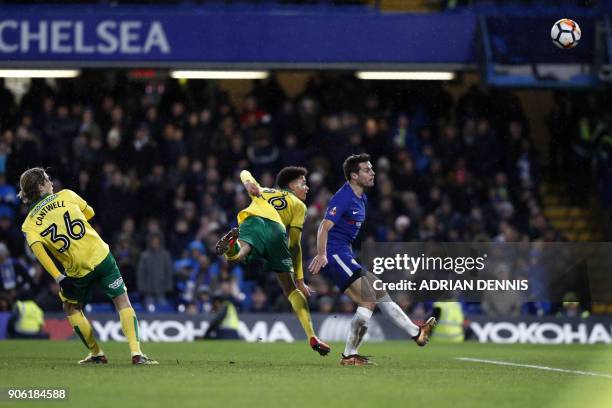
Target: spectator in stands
[[8, 195], [7, 101], [262, 154], [15, 278], [155, 274], [505, 303], [225, 323], [48, 297], [346, 305], [27, 321], [127, 255], [259, 301]]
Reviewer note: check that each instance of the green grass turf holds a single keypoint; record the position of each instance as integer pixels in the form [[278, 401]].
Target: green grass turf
[[237, 374]]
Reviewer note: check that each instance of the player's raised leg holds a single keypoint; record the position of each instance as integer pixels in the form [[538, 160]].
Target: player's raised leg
[[420, 334], [229, 246]]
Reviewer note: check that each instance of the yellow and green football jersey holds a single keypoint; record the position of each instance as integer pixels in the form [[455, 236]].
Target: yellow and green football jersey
[[291, 209], [58, 222], [276, 205]]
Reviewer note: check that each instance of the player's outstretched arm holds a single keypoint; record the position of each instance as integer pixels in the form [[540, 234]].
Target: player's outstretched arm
[[320, 260], [295, 247], [251, 185]]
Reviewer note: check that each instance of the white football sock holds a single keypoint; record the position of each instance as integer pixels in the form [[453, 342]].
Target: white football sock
[[359, 326], [397, 315]]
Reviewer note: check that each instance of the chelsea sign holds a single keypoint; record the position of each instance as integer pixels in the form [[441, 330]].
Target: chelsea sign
[[79, 37]]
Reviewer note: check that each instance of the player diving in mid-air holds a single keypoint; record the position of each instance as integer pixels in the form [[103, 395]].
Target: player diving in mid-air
[[57, 225], [262, 234], [344, 216]]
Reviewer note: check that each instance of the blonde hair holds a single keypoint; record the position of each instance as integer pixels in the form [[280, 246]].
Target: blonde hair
[[29, 183]]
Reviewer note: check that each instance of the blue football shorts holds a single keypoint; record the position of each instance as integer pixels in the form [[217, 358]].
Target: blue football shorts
[[342, 268]]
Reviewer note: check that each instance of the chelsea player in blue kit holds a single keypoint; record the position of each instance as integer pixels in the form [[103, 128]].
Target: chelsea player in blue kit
[[344, 216]]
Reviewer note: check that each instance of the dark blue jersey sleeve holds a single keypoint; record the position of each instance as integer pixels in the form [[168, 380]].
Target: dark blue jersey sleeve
[[336, 207]]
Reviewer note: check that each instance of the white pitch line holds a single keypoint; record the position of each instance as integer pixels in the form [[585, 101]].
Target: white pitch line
[[537, 367]]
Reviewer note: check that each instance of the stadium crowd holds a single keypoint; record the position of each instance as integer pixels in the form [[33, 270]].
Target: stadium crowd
[[583, 155], [159, 163]]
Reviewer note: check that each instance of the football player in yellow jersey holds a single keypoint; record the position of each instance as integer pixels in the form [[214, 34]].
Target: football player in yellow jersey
[[57, 227], [262, 233]]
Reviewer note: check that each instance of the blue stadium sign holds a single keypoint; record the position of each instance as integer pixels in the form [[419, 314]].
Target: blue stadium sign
[[191, 36]]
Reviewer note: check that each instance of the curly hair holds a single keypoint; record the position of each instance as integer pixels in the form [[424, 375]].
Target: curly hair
[[289, 174]]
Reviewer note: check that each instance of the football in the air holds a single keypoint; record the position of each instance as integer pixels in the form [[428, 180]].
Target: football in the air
[[565, 33]]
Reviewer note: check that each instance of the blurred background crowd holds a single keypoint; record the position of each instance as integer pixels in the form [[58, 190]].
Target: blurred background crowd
[[159, 162]]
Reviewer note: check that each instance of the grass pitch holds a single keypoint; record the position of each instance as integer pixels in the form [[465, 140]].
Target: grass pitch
[[237, 374]]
